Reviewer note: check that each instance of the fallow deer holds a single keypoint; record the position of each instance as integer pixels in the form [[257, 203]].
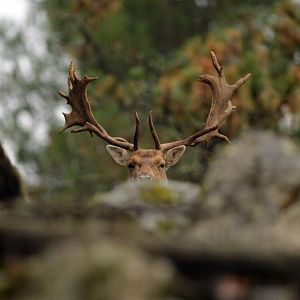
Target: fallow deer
[[148, 164]]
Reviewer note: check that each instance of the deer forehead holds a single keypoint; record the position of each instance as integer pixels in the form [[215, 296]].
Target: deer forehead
[[147, 155]]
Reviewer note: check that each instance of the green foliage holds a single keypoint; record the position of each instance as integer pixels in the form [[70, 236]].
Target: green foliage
[[147, 55], [150, 62]]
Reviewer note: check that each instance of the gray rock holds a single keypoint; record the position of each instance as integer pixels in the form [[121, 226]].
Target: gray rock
[[91, 270], [253, 178], [162, 207]]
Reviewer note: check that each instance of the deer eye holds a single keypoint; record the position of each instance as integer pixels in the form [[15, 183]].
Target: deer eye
[[131, 166], [162, 165]]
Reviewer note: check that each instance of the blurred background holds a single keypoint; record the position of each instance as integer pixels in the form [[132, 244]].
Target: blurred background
[[147, 55]]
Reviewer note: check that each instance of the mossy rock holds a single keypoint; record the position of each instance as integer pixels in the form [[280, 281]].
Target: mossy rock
[[152, 193], [84, 269], [161, 207]]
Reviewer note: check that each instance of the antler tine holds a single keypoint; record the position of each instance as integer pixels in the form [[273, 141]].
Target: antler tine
[[189, 141], [154, 133], [167, 146], [221, 107], [216, 64], [242, 81], [137, 132], [81, 113]]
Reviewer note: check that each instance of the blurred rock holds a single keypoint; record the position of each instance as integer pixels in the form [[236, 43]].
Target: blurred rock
[[86, 269], [253, 178], [162, 207], [236, 237], [153, 194]]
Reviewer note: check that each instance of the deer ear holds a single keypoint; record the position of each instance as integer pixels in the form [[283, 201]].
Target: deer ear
[[120, 155], [172, 156]]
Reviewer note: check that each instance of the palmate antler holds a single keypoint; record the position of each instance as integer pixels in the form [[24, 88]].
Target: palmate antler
[[221, 108], [82, 115]]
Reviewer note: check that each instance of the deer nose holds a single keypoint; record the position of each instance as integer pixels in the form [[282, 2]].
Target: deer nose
[[144, 177]]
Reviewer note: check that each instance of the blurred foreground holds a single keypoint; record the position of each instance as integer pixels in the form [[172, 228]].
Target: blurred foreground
[[234, 237]]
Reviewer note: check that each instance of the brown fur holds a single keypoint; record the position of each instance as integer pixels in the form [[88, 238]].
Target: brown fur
[[149, 162]]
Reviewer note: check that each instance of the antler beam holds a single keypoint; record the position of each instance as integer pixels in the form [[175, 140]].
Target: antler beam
[[221, 107]]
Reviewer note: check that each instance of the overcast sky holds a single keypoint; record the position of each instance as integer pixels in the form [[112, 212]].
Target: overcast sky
[[14, 10], [17, 9]]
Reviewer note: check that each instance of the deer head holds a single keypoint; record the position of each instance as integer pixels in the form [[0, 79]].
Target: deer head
[[148, 164]]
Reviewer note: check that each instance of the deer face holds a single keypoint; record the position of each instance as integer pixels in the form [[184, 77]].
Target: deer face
[[146, 164]]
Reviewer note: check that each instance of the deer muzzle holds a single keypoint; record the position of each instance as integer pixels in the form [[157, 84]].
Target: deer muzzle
[[144, 176]]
